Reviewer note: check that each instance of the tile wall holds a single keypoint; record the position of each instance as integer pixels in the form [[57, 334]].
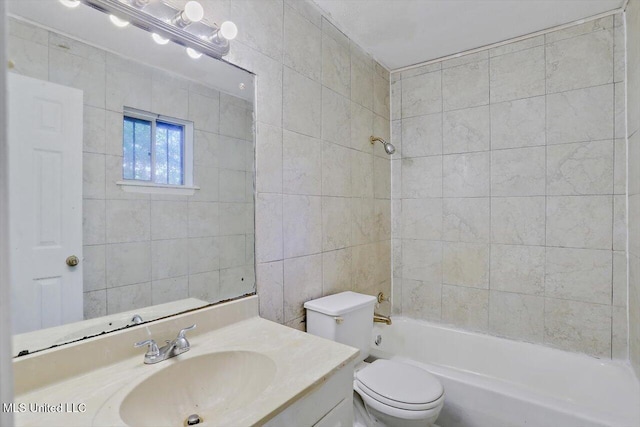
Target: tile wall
[[509, 190], [142, 249], [633, 125]]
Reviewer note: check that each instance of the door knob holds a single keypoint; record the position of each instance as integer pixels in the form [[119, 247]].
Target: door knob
[[72, 261]]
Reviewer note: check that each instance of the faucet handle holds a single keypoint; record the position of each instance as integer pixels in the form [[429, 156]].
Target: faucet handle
[[182, 331], [153, 349]]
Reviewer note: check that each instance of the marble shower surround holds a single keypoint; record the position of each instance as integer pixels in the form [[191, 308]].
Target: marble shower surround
[[142, 249], [509, 190]]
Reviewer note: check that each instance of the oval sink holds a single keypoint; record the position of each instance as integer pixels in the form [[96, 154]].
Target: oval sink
[[207, 385]]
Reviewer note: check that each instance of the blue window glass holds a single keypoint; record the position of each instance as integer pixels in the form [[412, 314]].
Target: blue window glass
[[169, 154], [136, 149]]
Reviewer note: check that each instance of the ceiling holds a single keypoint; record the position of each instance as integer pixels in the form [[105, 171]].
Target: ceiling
[[399, 33]]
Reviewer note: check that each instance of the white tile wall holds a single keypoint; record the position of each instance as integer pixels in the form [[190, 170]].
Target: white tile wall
[[508, 191]]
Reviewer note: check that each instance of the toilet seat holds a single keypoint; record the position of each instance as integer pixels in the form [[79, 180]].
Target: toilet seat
[[399, 385]]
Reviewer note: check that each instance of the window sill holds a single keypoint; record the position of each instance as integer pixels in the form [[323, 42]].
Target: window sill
[[148, 188]]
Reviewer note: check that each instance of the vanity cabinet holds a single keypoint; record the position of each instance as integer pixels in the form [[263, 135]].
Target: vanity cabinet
[[330, 405]]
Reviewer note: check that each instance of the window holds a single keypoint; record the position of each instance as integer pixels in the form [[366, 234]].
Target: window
[[156, 152]]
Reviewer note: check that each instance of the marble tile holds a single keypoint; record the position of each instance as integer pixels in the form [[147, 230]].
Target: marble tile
[[94, 130], [93, 176], [127, 85], [580, 115], [93, 222], [232, 186], [361, 82], [336, 271], [518, 220], [208, 149], [466, 220], [381, 178], [512, 47], [578, 326], [396, 100], [465, 58], [577, 30], [518, 75], [519, 123], [203, 219], [465, 264], [205, 286], [204, 254], [302, 105], [82, 73], [467, 308], [619, 223], [128, 297], [169, 95], [270, 280], [361, 128], [95, 304], [579, 62], [204, 111], [421, 95], [269, 234], [518, 269], [169, 258], [381, 220], [465, 86], [302, 225], [169, 220], [269, 159], [580, 221], [579, 275], [302, 45], [362, 220], [429, 68], [236, 117], [620, 292], [301, 164], [466, 130], [422, 260], [361, 174], [169, 290], [232, 251], [421, 300], [94, 268], [336, 66], [336, 223], [29, 57], [381, 96], [26, 31], [619, 334], [619, 54], [465, 175], [128, 221], [302, 282], [422, 219], [516, 316], [421, 136], [265, 19], [208, 179], [336, 170], [518, 172], [422, 177], [308, 10], [620, 110], [336, 118], [580, 168]]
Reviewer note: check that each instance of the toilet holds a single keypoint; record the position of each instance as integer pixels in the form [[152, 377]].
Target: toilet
[[389, 393]]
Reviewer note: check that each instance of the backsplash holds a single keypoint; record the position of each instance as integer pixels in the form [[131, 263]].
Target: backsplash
[[509, 190]]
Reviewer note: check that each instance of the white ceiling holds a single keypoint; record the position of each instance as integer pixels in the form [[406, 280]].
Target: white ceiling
[[399, 33]]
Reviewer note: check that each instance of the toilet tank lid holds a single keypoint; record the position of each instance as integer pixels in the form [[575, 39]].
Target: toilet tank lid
[[337, 304]]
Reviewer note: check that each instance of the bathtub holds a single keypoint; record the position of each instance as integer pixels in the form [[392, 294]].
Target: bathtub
[[495, 382]]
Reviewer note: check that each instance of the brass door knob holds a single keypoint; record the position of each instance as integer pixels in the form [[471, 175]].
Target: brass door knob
[[72, 261]]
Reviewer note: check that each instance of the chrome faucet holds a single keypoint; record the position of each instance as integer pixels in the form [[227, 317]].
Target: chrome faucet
[[171, 349], [136, 319]]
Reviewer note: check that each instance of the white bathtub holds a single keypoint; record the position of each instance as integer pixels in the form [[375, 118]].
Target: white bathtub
[[494, 382]]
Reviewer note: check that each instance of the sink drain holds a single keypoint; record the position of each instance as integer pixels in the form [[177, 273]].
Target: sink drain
[[192, 420]]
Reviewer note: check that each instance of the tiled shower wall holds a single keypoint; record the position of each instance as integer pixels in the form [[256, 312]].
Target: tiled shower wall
[[633, 127], [509, 193], [323, 220], [142, 249]]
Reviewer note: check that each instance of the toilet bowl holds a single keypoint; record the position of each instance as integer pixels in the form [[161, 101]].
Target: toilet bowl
[[396, 394], [392, 393]]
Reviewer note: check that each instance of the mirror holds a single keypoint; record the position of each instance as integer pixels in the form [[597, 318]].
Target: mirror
[[131, 176]]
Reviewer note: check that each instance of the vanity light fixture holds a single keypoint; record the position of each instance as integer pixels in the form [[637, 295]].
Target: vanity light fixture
[[159, 39], [185, 26], [70, 3], [192, 12], [193, 54], [120, 23]]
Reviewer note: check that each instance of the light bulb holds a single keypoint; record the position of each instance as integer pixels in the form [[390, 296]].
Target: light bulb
[[159, 39], [228, 30], [118, 22], [193, 11], [70, 3], [194, 54]]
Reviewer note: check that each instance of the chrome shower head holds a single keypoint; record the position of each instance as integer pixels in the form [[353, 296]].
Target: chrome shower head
[[388, 147]]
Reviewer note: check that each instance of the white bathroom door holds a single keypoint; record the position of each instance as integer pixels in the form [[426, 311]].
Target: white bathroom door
[[45, 202]]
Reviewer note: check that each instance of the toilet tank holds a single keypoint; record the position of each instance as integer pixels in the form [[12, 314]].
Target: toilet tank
[[346, 318]]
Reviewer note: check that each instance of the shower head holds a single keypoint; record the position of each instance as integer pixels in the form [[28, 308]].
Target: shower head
[[388, 147]]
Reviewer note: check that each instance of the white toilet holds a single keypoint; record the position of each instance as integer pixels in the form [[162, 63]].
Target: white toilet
[[394, 394]]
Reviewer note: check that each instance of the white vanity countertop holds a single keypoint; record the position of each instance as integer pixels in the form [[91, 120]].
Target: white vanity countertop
[[303, 363]]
